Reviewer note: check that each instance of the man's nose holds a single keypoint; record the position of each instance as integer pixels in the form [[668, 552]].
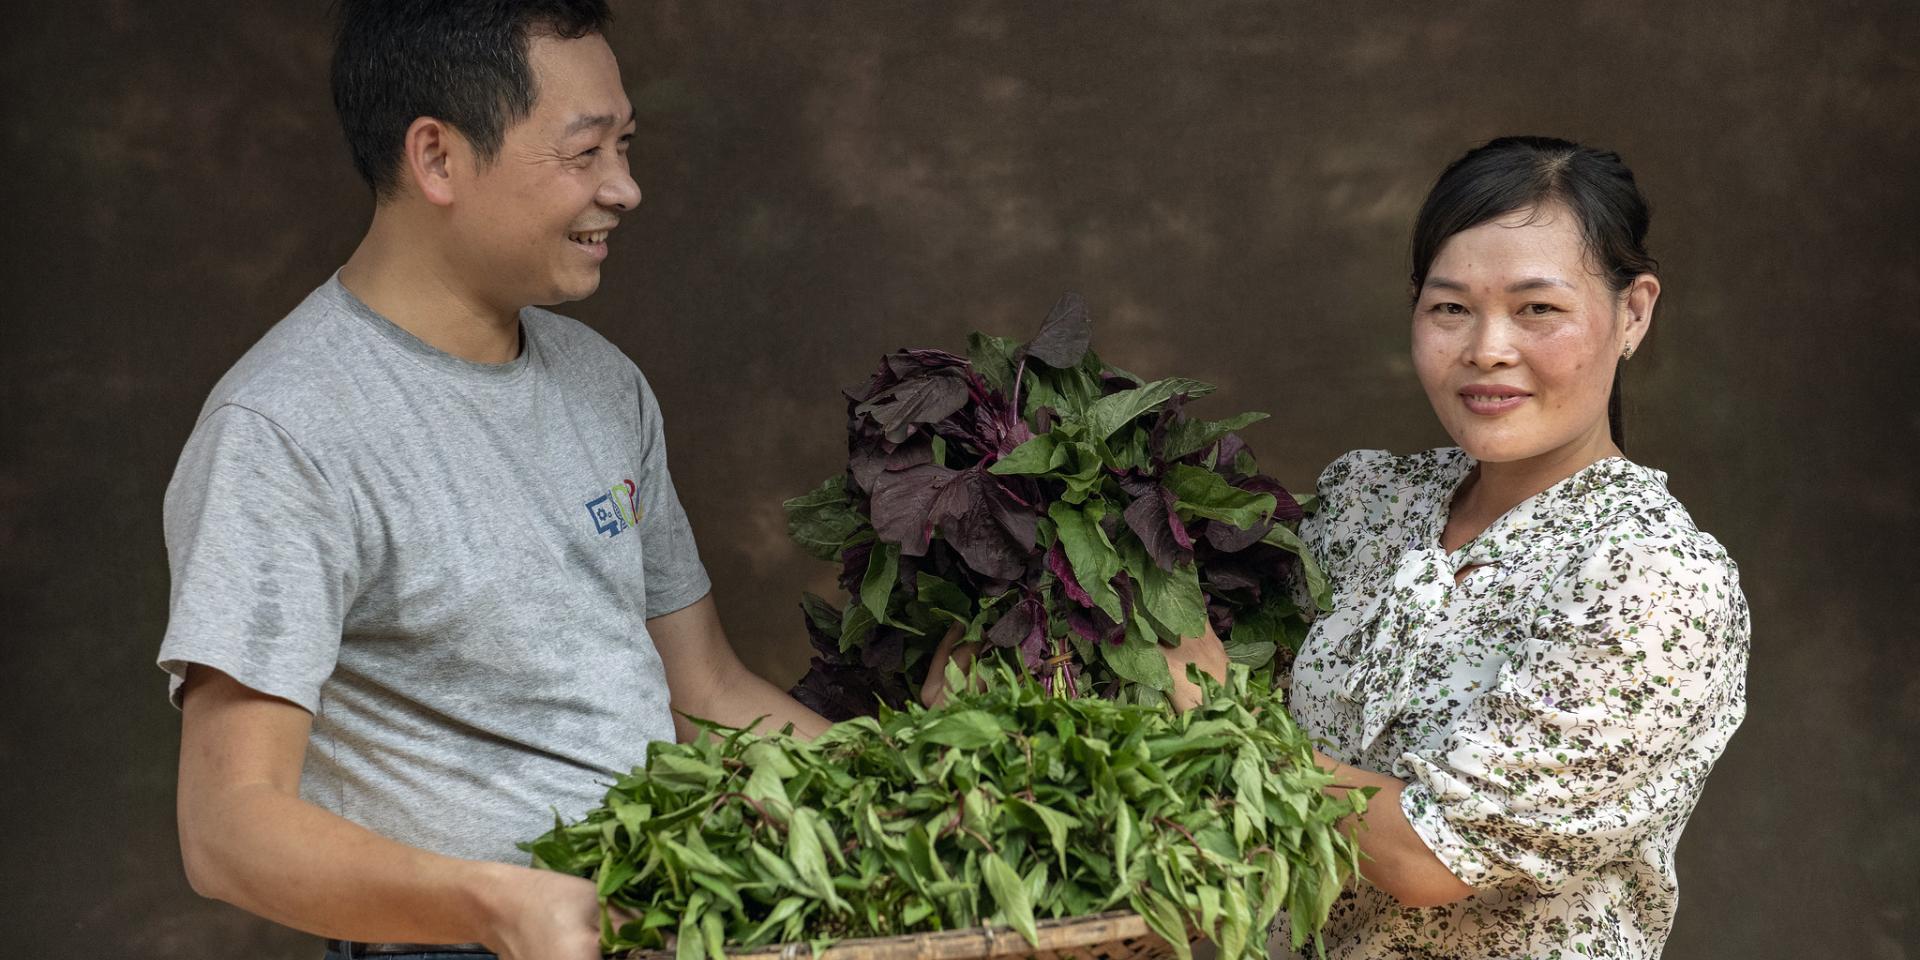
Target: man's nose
[[620, 192]]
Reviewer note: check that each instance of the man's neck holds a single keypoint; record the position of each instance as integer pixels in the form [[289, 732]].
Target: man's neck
[[403, 280]]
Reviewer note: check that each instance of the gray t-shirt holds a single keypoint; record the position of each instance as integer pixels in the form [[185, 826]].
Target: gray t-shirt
[[450, 564]]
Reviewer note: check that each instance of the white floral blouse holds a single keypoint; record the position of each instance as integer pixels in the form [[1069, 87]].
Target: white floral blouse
[[1554, 714]]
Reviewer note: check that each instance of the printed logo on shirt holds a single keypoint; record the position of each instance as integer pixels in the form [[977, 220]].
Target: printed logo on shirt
[[615, 510]]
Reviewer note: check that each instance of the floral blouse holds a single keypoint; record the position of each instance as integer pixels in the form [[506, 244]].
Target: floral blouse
[[1554, 715]]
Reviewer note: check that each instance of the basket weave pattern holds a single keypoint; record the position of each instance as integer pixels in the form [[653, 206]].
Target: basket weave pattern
[[1120, 935]]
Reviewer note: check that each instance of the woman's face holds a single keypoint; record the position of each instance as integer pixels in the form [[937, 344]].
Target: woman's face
[[1515, 336]]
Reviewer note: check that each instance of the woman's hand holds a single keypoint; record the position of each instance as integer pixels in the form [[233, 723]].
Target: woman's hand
[[933, 692], [1205, 650]]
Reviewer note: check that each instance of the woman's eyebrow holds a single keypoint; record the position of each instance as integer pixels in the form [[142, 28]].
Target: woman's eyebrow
[[1530, 283]]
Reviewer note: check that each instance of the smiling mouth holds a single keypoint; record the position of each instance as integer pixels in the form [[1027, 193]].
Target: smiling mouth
[[589, 238]]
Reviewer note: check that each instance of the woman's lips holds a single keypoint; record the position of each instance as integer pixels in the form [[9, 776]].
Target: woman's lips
[[1491, 401]]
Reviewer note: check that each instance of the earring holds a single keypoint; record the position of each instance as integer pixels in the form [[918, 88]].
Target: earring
[[1628, 352]]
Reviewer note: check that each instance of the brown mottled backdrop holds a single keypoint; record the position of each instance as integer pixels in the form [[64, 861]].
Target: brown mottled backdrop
[[1229, 184]]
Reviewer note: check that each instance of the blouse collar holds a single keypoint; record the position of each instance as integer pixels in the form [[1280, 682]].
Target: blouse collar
[[1592, 495]]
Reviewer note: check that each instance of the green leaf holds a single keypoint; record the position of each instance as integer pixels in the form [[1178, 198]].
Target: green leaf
[[856, 627], [992, 359], [1138, 658], [966, 729], [1030, 458], [1286, 539], [1093, 558], [1116, 410], [883, 571], [1172, 597], [821, 520], [1186, 437], [1203, 493], [1058, 825], [1010, 892]]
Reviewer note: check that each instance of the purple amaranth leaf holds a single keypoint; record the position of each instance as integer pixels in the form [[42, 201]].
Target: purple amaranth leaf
[[1064, 336], [1285, 507], [1122, 585], [989, 525], [1082, 622], [1230, 572], [853, 566], [1227, 451], [1227, 538], [1058, 565], [1152, 518], [886, 651], [903, 503], [922, 399], [836, 693]]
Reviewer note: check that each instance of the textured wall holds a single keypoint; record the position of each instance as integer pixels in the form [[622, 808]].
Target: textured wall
[[1230, 185]]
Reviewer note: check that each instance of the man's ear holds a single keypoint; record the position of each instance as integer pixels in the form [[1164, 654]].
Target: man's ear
[[432, 151]]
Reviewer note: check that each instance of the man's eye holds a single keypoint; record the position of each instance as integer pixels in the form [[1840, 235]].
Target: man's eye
[[1450, 309], [589, 152], [1540, 309]]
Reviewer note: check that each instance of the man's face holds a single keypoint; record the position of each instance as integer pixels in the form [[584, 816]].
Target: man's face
[[530, 227]]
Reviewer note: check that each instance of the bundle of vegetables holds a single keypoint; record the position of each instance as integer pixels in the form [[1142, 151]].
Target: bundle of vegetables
[[1006, 805], [1068, 512]]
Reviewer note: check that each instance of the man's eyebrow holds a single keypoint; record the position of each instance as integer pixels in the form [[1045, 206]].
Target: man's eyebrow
[[596, 121]]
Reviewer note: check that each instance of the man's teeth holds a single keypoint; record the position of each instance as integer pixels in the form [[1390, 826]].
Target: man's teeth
[[597, 236]]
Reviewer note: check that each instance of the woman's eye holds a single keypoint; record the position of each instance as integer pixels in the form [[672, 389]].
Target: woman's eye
[[588, 153], [1540, 309]]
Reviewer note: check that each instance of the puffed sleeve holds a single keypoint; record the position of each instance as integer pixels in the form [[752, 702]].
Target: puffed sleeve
[[1599, 732], [1321, 531]]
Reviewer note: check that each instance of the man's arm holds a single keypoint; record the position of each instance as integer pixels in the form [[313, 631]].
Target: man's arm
[[249, 839], [706, 679]]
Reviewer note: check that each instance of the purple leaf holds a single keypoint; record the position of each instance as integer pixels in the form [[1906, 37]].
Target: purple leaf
[[1064, 336], [923, 399], [1057, 563], [903, 504], [1285, 507], [1152, 519]]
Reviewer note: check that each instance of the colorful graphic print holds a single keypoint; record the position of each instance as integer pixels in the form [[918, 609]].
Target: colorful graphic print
[[616, 510]]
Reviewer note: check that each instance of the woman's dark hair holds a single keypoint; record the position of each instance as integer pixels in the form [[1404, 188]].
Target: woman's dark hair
[[461, 61], [1519, 173]]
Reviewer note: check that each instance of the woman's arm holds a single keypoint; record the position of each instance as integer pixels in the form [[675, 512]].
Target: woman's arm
[[1397, 860]]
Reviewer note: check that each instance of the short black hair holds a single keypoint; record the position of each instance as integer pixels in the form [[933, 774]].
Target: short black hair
[[1511, 174], [460, 61]]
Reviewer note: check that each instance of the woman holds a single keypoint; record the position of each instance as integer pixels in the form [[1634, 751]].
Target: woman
[[1534, 654]]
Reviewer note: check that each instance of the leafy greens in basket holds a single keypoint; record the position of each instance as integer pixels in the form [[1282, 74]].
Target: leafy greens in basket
[[1006, 806]]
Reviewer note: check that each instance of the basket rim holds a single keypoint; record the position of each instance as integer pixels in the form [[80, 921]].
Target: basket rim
[[987, 941]]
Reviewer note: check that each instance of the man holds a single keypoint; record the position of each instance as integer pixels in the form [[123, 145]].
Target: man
[[431, 580]]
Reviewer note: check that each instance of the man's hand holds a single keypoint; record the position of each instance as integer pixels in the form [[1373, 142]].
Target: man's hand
[[1208, 652], [248, 838], [540, 915]]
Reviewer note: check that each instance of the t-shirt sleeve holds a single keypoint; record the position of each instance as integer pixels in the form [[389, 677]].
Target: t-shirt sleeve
[[261, 551], [675, 578], [1599, 733]]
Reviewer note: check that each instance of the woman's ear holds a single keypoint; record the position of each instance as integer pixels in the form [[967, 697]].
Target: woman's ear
[[1641, 295]]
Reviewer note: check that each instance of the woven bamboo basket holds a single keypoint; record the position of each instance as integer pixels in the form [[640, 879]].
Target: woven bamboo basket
[[1121, 935]]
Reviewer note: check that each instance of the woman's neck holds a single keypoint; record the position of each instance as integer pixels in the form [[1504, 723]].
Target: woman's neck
[[1492, 489]]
